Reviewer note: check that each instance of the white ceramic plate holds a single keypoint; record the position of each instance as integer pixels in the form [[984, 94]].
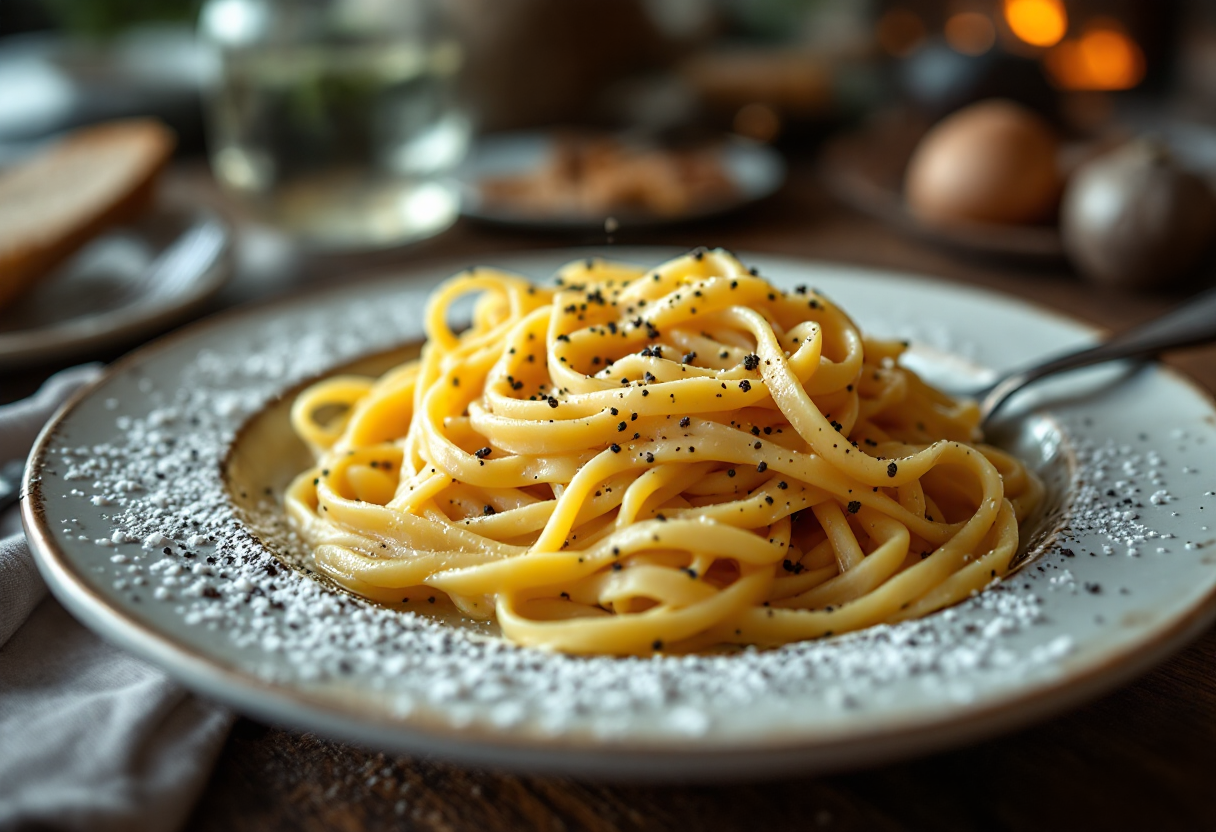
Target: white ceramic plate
[[128, 282], [137, 533], [756, 171]]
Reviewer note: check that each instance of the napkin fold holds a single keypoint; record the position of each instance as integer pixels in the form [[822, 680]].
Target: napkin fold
[[91, 738], [21, 588]]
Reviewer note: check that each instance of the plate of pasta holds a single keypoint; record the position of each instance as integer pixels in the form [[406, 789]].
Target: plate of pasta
[[632, 513]]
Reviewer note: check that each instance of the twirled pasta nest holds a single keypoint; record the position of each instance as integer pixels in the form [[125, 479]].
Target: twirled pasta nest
[[655, 459]]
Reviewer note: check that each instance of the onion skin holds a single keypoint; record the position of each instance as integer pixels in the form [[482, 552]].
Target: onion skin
[[992, 162], [1132, 219]]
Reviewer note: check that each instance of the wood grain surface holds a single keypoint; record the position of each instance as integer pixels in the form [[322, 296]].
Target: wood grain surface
[[1143, 757]]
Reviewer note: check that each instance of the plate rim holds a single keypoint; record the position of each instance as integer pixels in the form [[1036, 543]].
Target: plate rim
[[423, 731]]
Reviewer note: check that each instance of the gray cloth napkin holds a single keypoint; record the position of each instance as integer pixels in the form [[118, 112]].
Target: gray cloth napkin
[[90, 737]]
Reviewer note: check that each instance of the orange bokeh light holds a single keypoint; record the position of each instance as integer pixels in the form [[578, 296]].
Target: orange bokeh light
[[970, 33], [1037, 22], [1103, 58]]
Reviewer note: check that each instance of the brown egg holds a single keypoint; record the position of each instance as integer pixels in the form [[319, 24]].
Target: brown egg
[[994, 161]]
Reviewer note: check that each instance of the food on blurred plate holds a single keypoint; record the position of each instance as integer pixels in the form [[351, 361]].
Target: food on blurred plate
[[598, 175], [1132, 218], [56, 202], [993, 162]]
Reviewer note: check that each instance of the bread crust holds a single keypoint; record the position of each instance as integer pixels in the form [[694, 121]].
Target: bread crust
[[53, 204]]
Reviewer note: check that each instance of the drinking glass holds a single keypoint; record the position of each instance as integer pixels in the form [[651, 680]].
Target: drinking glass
[[340, 121]]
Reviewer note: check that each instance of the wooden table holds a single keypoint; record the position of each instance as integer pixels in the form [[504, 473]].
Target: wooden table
[[1143, 757]]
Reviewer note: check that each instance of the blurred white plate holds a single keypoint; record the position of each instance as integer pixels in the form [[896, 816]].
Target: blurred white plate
[[755, 170], [126, 283]]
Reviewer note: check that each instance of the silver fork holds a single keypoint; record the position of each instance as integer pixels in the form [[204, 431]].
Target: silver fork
[[1191, 324], [195, 250]]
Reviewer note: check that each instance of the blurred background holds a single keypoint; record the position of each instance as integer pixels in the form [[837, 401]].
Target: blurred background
[[1058, 151], [1071, 138]]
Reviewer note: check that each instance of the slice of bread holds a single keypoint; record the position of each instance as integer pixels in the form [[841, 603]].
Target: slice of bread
[[56, 202]]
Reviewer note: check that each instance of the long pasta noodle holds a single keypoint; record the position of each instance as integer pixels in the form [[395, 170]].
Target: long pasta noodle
[[642, 459]]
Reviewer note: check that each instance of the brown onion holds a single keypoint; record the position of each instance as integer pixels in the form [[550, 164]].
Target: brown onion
[[1132, 218]]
